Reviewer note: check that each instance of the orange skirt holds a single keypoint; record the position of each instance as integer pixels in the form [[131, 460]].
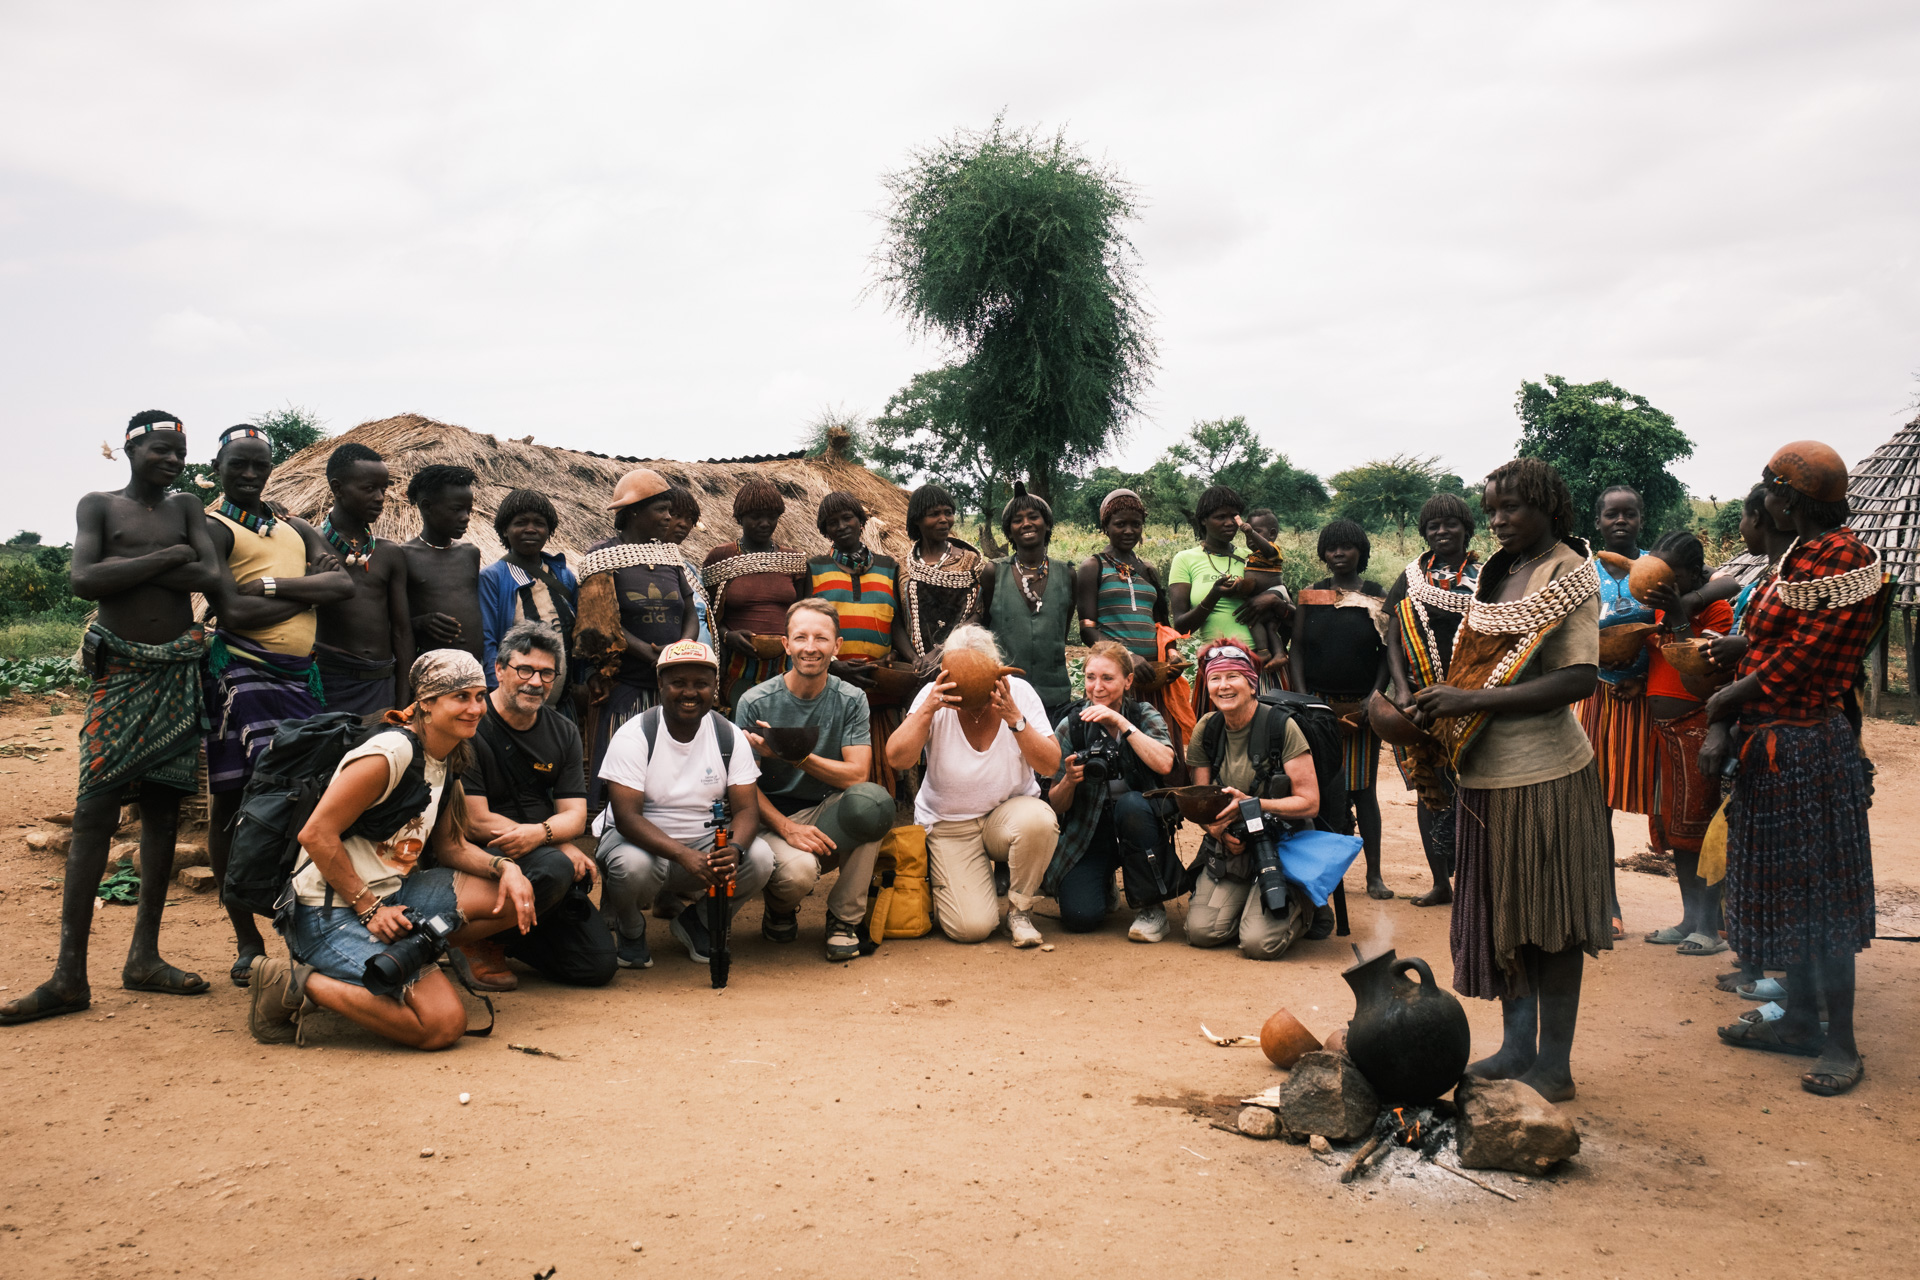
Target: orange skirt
[[1622, 737]]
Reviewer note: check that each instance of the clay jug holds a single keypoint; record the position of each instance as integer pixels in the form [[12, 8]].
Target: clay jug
[[974, 674], [1409, 1039]]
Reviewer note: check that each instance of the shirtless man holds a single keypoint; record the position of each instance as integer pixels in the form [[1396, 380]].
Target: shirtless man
[[139, 551], [365, 642], [443, 573], [274, 571]]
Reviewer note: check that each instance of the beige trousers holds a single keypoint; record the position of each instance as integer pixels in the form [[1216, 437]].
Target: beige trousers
[[795, 871], [1021, 832], [1222, 910]]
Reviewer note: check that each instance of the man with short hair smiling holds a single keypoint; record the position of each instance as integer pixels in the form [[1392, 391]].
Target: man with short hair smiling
[[664, 770], [527, 799], [819, 810]]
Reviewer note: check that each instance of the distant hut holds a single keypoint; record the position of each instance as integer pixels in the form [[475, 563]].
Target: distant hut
[[579, 484], [1884, 492]]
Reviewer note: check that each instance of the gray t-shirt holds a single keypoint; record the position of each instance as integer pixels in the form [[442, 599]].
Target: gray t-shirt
[[841, 715]]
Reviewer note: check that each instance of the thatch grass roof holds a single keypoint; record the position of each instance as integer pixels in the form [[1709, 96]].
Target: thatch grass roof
[[579, 485], [1884, 492]]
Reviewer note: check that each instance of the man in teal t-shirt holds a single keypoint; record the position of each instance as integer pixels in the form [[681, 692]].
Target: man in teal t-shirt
[[817, 812], [1199, 606]]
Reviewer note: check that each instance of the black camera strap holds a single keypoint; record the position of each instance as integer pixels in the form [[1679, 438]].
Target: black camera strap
[[462, 970]]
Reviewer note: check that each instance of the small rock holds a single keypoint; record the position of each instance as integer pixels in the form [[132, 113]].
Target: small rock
[[60, 843], [198, 879], [1258, 1122], [125, 853], [635, 1246], [1319, 1145], [1327, 1095], [465, 1098], [1506, 1125], [426, 1152], [189, 853], [38, 841]]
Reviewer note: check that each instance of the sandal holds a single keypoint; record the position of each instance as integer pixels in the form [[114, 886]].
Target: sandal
[[1671, 936], [241, 972], [1703, 944], [43, 1002], [1766, 1037], [167, 980], [1831, 1084], [1763, 989], [1619, 929]]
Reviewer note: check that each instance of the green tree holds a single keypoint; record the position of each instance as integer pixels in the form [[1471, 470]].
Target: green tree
[[1388, 491], [291, 429], [24, 538], [1221, 451], [1596, 434], [1010, 247], [1297, 497], [1726, 520], [922, 435]]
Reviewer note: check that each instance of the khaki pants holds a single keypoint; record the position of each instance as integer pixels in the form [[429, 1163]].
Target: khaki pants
[[1021, 832], [795, 871], [1221, 910]]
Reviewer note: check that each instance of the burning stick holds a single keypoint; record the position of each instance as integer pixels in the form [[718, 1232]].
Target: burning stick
[[1461, 1173], [1352, 1170]]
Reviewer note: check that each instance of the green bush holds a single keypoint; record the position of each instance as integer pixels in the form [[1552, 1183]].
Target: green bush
[[41, 637], [28, 588]]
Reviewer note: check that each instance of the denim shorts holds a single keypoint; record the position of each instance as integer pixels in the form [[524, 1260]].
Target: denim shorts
[[333, 940]]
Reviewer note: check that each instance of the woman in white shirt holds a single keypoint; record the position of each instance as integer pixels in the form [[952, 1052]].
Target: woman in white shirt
[[979, 800], [359, 885]]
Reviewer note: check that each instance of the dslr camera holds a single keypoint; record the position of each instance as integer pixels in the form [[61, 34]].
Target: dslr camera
[[1104, 764], [389, 971], [1257, 835]]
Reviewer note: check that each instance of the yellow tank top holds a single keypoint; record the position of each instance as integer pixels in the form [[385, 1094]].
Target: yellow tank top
[[284, 555]]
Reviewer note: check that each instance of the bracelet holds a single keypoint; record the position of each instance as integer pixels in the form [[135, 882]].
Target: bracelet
[[269, 587], [365, 889], [493, 867], [547, 827], [367, 916]]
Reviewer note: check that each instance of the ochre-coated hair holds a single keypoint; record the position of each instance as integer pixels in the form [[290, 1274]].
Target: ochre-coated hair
[[834, 504], [758, 497]]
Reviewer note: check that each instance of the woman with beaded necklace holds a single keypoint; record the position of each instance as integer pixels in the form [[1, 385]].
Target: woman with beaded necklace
[[940, 588], [1027, 599], [751, 582]]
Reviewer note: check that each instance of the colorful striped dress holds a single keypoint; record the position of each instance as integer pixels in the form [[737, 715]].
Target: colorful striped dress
[[1617, 725], [1125, 607], [865, 596]]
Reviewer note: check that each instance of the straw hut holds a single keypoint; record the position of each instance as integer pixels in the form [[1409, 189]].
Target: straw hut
[[1884, 492], [579, 483]]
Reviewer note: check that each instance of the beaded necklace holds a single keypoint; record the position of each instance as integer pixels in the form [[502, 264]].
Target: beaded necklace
[[356, 553], [1026, 578], [1125, 570], [261, 524], [856, 563]]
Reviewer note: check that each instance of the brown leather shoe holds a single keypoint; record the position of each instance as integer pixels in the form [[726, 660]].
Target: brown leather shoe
[[487, 963]]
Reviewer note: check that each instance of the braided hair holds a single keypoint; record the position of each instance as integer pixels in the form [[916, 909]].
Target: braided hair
[[1535, 482]]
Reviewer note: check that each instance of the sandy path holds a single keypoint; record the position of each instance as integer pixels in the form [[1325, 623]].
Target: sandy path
[[933, 1109]]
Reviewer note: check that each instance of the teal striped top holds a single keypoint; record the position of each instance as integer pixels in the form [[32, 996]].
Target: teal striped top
[[1125, 607]]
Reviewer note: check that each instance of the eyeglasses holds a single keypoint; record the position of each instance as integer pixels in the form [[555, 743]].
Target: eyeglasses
[[530, 674]]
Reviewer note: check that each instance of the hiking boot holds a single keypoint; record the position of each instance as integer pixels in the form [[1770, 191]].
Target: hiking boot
[[1323, 922], [1150, 925], [843, 940], [779, 926], [487, 965], [1020, 925], [632, 953], [690, 931], [277, 999]]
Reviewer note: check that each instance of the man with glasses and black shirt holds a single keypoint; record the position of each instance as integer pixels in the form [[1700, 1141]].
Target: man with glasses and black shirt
[[527, 799]]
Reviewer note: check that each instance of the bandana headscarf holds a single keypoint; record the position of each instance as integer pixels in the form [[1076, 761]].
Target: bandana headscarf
[[1121, 500], [1229, 655], [440, 671]]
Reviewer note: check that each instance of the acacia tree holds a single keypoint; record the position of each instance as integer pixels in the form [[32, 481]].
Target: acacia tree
[[1596, 434], [1010, 248], [1387, 491]]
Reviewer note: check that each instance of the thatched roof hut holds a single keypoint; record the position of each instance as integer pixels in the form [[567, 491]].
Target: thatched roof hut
[[1884, 492], [580, 483]]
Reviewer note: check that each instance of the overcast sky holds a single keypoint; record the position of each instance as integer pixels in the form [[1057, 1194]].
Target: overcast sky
[[648, 229]]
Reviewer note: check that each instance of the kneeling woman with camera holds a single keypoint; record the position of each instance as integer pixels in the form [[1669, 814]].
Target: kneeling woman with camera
[[1120, 748], [370, 914], [1225, 905]]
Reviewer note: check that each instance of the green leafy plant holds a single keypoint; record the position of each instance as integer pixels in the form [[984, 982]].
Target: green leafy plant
[[39, 675], [1597, 434]]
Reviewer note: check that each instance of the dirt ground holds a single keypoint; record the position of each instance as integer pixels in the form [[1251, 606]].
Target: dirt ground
[[934, 1109]]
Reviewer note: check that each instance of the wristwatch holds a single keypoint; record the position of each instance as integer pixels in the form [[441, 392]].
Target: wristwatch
[[1127, 734], [1019, 726]]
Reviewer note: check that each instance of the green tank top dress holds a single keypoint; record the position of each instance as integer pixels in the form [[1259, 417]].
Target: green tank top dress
[[1036, 641]]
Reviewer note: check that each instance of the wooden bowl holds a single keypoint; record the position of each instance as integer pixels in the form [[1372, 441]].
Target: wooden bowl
[[973, 675], [1392, 724], [792, 743], [1197, 803], [1689, 658], [769, 646], [1285, 1041], [894, 684], [1619, 644]]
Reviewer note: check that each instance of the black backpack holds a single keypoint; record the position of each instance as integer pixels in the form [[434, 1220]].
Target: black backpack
[[1319, 724], [287, 783]]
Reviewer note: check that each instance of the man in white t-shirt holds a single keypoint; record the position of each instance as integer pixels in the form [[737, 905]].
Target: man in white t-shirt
[[979, 800], [658, 830]]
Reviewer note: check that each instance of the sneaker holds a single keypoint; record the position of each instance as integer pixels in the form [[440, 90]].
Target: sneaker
[[1150, 925], [843, 940], [1020, 925], [632, 953], [690, 931], [779, 926], [268, 985]]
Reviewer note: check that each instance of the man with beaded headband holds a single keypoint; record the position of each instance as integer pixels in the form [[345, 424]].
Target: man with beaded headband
[[1530, 891], [637, 595], [364, 643], [1425, 606], [751, 583], [139, 551], [260, 669], [1799, 856]]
